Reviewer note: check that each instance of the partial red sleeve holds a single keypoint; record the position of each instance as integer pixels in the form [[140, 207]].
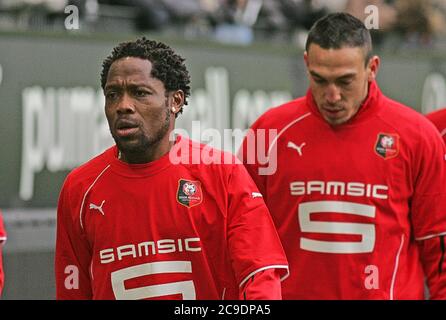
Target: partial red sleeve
[[263, 284], [428, 205], [2, 229], [72, 258], [2, 275], [2, 241], [428, 209], [438, 118], [253, 241], [432, 252]]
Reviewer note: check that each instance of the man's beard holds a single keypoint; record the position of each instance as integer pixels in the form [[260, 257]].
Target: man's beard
[[145, 141]]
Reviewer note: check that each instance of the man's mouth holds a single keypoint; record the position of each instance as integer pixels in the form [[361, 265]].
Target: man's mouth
[[332, 111], [125, 128]]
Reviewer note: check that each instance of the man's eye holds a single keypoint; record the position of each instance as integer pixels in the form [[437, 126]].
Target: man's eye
[[345, 82], [141, 93], [111, 95], [319, 81]]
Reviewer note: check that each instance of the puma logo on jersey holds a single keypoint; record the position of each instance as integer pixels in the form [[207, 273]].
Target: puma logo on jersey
[[99, 208], [295, 147], [256, 195]]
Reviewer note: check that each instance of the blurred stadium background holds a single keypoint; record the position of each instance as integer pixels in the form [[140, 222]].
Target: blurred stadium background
[[244, 57]]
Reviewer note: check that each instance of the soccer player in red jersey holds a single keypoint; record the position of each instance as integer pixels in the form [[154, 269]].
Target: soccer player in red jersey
[[2, 242], [136, 223], [438, 118], [355, 181]]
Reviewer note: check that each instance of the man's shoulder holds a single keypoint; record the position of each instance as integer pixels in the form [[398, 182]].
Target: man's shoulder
[[205, 158], [407, 121], [280, 116], [92, 168], [402, 116]]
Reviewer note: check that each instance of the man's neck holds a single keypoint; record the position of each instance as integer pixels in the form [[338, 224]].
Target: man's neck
[[152, 153]]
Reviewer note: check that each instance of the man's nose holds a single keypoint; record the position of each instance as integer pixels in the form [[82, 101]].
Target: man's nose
[[126, 104], [332, 93]]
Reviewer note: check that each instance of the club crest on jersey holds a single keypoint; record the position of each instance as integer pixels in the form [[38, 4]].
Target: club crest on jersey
[[189, 193], [387, 145]]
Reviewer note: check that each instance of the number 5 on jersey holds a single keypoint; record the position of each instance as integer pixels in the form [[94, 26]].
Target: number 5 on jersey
[[365, 230], [185, 288]]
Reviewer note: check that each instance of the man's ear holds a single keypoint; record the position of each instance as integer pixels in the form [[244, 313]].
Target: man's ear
[[306, 58], [177, 101], [373, 67]]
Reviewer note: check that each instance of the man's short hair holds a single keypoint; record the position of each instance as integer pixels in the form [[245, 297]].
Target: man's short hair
[[340, 30], [167, 66]]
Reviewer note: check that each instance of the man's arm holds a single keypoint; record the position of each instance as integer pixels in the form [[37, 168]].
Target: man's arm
[[432, 252], [2, 275], [72, 259], [257, 255], [2, 243], [428, 208], [261, 282]]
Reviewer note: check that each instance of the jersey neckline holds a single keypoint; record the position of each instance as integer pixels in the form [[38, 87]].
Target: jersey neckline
[[141, 169]]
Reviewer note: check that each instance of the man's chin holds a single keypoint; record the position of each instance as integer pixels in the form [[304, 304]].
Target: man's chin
[[131, 146], [138, 143], [336, 121]]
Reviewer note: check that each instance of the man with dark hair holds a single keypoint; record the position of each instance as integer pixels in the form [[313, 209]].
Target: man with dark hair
[[361, 210], [2, 242], [135, 223]]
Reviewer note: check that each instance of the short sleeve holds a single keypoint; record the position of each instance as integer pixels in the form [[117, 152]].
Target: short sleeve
[[253, 241]]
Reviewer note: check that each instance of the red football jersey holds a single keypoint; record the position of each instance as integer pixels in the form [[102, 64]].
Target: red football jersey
[[2, 241], [162, 230], [351, 202], [438, 118]]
